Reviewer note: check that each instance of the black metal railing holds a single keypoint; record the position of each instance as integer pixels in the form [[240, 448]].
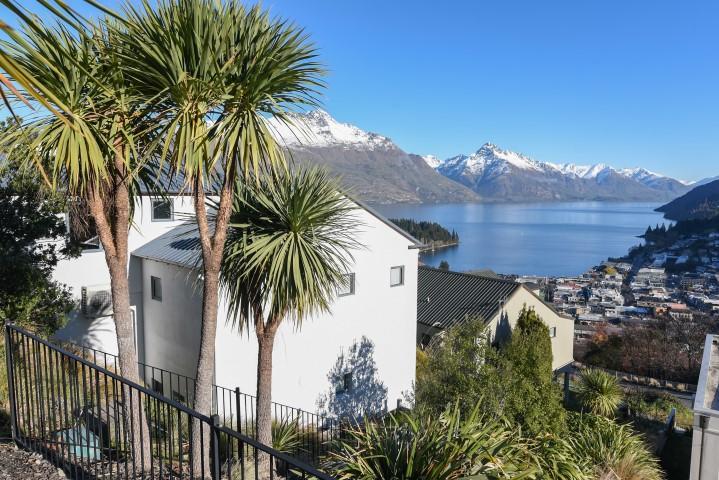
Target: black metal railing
[[317, 434], [80, 415]]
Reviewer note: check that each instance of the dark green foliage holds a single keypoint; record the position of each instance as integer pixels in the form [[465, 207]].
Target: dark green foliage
[[513, 381], [32, 240], [427, 446], [426, 232], [533, 401], [461, 367], [444, 265]]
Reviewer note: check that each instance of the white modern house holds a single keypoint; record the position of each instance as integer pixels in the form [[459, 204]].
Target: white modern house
[[377, 311]]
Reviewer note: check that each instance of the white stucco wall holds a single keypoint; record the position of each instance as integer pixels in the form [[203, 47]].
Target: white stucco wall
[[90, 269], [302, 359], [562, 343]]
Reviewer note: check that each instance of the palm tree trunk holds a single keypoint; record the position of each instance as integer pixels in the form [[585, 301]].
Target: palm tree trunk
[[205, 373], [113, 236], [263, 415], [212, 252]]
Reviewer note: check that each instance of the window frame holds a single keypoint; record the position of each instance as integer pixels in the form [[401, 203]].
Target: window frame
[[153, 291], [401, 280], [352, 286], [552, 332], [152, 210]]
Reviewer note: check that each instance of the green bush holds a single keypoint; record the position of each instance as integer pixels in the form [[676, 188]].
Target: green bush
[[426, 446], [608, 450], [599, 392]]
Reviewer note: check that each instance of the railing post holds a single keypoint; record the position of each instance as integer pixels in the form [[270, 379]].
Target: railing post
[[237, 409], [215, 447], [11, 384]]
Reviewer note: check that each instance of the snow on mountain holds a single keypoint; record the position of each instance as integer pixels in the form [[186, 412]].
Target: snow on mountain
[[489, 161], [431, 160], [318, 128]]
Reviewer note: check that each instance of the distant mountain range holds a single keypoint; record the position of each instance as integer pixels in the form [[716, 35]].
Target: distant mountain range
[[378, 171], [701, 202]]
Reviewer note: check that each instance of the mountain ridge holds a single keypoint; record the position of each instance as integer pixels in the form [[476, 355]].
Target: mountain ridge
[[379, 171]]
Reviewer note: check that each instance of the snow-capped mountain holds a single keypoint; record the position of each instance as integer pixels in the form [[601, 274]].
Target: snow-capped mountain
[[378, 171], [370, 165], [319, 129], [431, 160], [499, 174]]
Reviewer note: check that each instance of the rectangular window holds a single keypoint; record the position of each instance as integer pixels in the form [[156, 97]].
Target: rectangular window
[[396, 276], [162, 210], [348, 287], [156, 288], [552, 332]]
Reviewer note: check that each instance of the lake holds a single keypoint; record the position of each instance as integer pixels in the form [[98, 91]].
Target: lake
[[551, 239]]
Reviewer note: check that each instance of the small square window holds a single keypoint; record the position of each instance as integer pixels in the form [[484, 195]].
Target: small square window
[[156, 288], [162, 210], [552, 332], [348, 285], [396, 276]]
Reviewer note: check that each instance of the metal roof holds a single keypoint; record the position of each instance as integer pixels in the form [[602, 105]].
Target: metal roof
[[179, 246], [445, 298]]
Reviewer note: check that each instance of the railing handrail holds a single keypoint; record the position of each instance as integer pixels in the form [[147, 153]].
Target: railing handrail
[[192, 379], [161, 398]]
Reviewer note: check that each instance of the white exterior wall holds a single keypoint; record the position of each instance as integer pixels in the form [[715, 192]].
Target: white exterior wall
[[562, 343], [302, 359], [90, 269]]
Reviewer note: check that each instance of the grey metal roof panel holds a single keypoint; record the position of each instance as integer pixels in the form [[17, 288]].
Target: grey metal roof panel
[[179, 246], [445, 298]]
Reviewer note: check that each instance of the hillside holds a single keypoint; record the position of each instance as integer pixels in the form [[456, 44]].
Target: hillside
[[371, 166], [699, 203], [378, 171]]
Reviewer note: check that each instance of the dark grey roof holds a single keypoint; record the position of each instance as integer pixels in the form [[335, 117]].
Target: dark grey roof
[[445, 298]]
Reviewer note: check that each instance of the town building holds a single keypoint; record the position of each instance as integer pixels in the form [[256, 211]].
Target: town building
[[446, 298]]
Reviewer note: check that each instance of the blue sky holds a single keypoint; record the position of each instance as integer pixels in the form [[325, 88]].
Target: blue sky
[[629, 83]]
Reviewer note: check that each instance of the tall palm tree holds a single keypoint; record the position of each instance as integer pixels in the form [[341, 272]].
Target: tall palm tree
[[289, 246], [85, 138], [214, 71]]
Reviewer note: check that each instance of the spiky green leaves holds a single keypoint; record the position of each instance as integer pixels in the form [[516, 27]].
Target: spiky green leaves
[[289, 244], [599, 392]]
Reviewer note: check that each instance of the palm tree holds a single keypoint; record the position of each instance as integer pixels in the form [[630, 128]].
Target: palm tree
[[287, 251], [85, 139], [214, 71], [599, 392]]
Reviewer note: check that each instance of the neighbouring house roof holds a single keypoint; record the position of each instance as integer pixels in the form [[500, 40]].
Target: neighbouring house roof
[[445, 298]]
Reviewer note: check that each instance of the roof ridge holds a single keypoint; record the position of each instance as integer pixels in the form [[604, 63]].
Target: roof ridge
[[469, 275]]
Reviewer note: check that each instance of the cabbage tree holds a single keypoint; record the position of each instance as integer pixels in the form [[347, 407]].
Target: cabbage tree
[[288, 249]]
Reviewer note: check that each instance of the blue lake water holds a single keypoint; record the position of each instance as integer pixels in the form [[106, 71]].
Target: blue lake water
[[533, 239]]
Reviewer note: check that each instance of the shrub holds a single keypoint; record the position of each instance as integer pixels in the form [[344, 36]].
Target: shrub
[[599, 392], [434, 447], [610, 451]]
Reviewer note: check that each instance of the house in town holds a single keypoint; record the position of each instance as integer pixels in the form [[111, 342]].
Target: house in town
[[313, 366], [445, 298]]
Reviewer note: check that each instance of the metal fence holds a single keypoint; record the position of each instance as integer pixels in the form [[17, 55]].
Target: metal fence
[[79, 415], [317, 434]]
